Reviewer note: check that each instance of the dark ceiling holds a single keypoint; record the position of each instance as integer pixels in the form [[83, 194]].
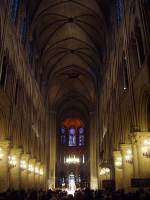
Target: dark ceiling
[[70, 38]]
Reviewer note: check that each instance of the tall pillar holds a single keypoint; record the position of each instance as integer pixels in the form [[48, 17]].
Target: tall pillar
[[118, 170], [127, 165], [24, 171], [135, 160], [52, 164], [42, 177], [141, 148], [4, 177], [37, 175], [31, 174], [14, 168], [93, 152]]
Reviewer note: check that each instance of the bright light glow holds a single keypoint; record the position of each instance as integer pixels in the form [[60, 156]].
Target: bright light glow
[[72, 160], [129, 152], [12, 161], [23, 164], [41, 172], [1, 154], [83, 159], [104, 171], [30, 168], [128, 156], [147, 142], [146, 148], [118, 162], [37, 170], [70, 191]]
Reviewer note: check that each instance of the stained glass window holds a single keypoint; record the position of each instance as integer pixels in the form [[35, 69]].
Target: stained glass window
[[63, 139], [24, 31], [81, 136], [63, 136], [62, 131], [14, 9], [72, 137], [119, 10]]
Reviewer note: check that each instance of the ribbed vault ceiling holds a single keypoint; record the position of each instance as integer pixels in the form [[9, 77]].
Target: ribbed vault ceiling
[[70, 38]]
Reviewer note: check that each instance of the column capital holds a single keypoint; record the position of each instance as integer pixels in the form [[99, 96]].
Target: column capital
[[37, 164], [32, 161], [4, 144], [139, 137], [25, 156], [117, 154], [125, 147], [16, 151]]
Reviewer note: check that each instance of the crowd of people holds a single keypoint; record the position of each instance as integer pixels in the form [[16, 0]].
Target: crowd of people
[[85, 194]]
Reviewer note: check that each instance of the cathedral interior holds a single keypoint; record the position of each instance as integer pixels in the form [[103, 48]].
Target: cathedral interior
[[74, 94]]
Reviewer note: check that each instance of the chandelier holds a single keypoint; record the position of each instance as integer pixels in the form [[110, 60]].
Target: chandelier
[[72, 160]]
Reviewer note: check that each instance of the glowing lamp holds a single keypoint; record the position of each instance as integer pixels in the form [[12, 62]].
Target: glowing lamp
[[41, 172], [118, 162], [30, 168], [12, 161], [72, 160], [146, 148], [104, 171], [1, 154], [128, 156], [36, 170], [23, 165]]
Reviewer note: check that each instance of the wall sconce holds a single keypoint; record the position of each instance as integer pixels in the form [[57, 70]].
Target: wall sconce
[[30, 168], [1, 154], [129, 157], [12, 161], [146, 148], [118, 162], [104, 171], [23, 165]]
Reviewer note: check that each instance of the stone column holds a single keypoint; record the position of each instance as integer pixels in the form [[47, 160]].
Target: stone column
[[4, 177], [42, 177], [24, 171], [141, 148], [127, 165], [118, 170], [93, 152], [37, 175], [52, 149], [14, 168], [31, 174]]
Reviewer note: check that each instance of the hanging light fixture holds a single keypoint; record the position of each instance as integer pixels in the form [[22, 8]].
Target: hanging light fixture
[[146, 148], [1, 154], [72, 160], [23, 165], [37, 171], [118, 162], [129, 157], [12, 161], [104, 171], [30, 168], [41, 172]]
